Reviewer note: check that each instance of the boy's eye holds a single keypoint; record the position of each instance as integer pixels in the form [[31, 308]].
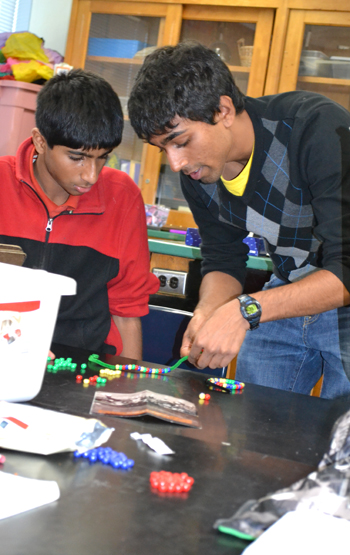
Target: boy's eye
[[76, 158], [182, 145]]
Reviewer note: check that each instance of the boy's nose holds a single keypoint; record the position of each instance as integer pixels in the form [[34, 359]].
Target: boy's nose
[[90, 173], [176, 161]]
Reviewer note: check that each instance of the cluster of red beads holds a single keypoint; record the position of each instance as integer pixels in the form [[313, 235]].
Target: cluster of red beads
[[171, 482]]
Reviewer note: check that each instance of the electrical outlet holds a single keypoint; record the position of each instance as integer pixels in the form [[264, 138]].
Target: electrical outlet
[[172, 282]]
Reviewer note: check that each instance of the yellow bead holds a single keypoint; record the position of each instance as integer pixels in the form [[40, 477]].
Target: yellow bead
[[202, 395]]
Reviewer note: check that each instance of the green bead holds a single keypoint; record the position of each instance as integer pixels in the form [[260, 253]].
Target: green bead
[[83, 365]]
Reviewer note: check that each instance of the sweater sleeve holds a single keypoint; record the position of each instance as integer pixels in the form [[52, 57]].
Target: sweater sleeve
[[129, 292], [222, 245], [325, 154]]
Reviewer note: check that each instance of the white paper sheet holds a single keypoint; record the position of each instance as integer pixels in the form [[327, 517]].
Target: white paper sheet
[[18, 494], [304, 532]]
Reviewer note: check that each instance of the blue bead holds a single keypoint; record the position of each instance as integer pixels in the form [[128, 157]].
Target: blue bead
[[86, 454], [116, 463], [130, 463], [93, 455], [77, 454]]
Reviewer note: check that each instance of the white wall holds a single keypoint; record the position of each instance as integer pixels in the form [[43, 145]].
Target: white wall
[[49, 19]]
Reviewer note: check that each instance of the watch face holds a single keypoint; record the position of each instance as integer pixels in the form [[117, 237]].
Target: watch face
[[251, 309]]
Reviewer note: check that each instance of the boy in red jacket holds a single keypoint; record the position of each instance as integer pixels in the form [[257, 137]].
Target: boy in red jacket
[[75, 217]]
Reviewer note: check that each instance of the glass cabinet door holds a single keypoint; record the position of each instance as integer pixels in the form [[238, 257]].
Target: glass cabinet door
[[317, 55], [112, 39], [116, 49]]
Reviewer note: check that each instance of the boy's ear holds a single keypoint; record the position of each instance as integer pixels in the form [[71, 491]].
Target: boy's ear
[[227, 112], [39, 141]]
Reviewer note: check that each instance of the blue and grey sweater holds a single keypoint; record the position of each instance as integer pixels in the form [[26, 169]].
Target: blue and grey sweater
[[297, 197]]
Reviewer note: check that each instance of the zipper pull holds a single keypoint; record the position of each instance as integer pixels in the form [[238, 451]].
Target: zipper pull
[[49, 225]]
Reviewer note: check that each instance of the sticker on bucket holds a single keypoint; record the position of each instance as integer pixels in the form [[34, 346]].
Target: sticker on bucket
[[14, 320]]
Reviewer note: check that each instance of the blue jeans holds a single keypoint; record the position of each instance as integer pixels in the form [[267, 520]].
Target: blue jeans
[[292, 354]]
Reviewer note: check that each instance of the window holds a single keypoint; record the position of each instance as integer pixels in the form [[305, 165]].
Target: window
[[14, 15]]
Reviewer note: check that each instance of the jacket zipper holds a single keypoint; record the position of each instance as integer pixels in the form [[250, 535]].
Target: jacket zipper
[[49, 224]]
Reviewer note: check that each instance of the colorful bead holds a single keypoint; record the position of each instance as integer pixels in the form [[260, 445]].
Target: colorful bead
[[202, 395], [95, 359], [207, 396], [169, 482], [106, 455], [225, 383]]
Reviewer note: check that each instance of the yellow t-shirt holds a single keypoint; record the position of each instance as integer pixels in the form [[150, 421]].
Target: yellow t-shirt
[[237, 185]]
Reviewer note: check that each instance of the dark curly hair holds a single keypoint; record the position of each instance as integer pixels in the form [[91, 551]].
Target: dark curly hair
[[186, 80]]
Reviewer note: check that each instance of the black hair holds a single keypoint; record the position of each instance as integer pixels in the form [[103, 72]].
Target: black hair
[[186, 80], [79, 109]]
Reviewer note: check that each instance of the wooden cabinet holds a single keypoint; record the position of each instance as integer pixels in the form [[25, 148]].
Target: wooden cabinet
[[292, 44]]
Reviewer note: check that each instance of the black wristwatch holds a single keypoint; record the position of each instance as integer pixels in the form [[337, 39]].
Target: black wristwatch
[[251, 310]]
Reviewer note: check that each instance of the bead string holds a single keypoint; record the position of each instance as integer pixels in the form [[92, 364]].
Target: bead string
[[225, 383], [134, 367]]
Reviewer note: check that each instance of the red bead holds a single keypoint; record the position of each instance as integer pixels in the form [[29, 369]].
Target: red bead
[[207, 396], [171, 482]]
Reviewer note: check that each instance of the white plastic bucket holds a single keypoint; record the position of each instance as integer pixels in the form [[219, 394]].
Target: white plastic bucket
[[29, 302]]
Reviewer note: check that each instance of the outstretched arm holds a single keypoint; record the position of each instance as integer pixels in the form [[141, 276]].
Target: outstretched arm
[[219, 337]]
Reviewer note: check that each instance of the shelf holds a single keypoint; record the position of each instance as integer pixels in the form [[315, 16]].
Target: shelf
[[324, 80], [110, 59], [175, 249], [239, 69], [139, 61]]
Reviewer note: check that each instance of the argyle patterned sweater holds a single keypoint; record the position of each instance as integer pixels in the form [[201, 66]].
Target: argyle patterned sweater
[[297, 197]]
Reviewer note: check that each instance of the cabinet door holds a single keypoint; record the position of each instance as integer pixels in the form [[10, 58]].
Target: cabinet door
[[317, 54], [241, 37]]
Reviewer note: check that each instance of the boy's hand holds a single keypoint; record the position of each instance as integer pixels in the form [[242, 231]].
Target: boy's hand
[[51, 355]]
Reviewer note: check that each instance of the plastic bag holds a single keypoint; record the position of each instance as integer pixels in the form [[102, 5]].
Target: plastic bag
[[36, 430], [25, 46], [326, 490], [31, 71]]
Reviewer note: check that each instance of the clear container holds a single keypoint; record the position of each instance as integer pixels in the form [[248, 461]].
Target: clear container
[[29, 301], [309, 62]]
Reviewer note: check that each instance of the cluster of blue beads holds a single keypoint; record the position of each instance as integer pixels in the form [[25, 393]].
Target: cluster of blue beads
[[107, 456]]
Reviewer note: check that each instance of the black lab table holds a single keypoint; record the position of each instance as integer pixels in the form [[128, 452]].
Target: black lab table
[[249, 445]]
